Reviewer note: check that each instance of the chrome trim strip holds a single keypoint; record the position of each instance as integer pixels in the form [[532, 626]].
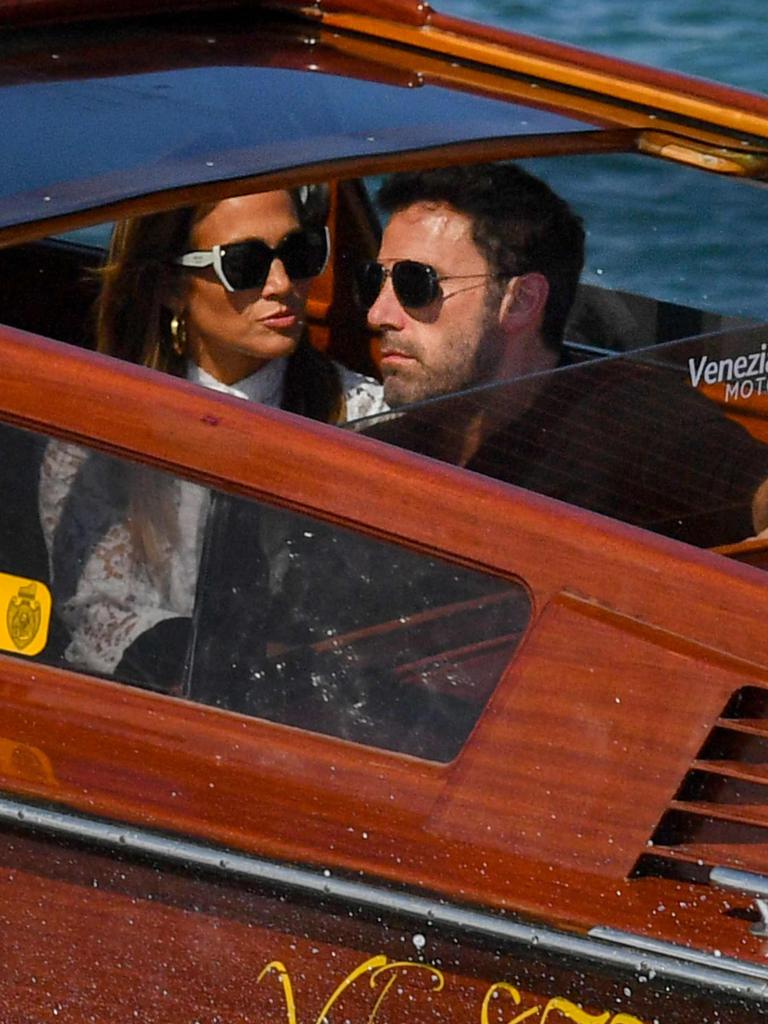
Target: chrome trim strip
[[744, 881], [710, 960], [612, 949]]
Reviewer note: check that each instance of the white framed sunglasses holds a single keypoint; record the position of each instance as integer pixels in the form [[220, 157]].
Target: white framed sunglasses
[[243, 265]]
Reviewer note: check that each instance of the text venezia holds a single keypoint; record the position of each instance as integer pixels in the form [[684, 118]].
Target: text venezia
[[381, 974]]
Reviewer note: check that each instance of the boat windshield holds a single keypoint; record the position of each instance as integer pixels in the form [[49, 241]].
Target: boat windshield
[[671, 439]]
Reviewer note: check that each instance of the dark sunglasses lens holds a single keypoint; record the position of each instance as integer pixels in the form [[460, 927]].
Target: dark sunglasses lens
[[304, 254], [416, 284], [246, 264], [370, 280]]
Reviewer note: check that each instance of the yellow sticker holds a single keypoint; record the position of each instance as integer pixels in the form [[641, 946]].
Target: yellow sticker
[[25, 614]]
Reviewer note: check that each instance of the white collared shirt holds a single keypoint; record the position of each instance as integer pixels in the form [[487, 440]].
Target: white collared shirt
[[363, 396], [265, 385]]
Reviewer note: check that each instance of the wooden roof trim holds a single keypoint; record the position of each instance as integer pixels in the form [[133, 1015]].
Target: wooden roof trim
[[407, 12], [632, 83], [413, 23], [603, 110], [548, 49]]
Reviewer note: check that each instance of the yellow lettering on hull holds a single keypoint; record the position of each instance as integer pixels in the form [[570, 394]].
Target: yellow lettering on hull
[[556, 1011]]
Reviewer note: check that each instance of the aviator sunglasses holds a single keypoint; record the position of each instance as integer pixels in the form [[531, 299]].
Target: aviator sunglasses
[[415, 284], [243, 265]]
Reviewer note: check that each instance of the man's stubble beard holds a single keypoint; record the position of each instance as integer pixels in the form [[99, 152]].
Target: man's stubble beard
[[470, 364]]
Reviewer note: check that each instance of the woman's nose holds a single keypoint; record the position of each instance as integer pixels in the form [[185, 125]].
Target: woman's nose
[[278, 282]]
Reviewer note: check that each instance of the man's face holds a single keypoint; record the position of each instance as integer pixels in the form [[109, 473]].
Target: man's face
[[454, 342]]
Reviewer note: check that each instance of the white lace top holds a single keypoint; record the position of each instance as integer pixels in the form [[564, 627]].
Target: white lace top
[[111, 597]]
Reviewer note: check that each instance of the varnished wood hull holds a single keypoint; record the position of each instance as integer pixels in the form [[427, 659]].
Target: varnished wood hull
[[104, 936]]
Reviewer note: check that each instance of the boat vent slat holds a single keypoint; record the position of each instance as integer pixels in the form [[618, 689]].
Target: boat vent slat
[[745, 814], [680, 853], [719, 815], [735, 770], [693, 863], [757, 726], [743, 857]]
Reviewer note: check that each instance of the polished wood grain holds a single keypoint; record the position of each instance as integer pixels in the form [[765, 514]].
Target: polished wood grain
[[381, 48], [636, 646], [752, 551], [154, 761], [38, 12], [169, 422], [90, 937]]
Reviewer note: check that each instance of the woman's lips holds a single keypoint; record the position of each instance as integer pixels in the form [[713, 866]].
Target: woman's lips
[[280, 320]]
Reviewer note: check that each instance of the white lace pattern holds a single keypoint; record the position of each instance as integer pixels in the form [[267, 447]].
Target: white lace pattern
[[115, 597]]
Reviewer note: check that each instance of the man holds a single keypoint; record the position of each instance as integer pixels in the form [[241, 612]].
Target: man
[[505, 254], [476, 275]]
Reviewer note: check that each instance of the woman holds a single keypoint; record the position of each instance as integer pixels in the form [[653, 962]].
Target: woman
[[216, 293], [203, 292]]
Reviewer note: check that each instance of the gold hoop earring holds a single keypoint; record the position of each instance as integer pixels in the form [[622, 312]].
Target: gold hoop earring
[[178, 335]]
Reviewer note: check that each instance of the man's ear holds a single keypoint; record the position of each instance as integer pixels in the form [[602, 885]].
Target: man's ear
[[525, 299]]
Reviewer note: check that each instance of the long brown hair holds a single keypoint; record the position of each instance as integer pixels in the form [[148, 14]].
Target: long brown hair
[[132, 312], [133, 319]]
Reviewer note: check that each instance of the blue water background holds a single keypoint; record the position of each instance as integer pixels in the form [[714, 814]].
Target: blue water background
[[725, 40], [655, 228]]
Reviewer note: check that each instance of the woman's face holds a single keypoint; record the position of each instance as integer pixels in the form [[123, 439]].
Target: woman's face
[[232, 334]]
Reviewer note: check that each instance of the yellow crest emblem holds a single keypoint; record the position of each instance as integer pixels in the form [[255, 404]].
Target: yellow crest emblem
[[27, 603], [24, 616]]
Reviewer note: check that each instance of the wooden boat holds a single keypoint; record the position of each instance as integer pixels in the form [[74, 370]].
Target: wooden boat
[[557, 808]]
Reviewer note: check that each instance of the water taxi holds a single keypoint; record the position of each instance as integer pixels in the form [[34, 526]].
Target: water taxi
[[528, 779]]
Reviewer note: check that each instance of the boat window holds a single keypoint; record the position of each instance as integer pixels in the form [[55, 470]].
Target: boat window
[[688, 238], [654, 272], [94, 236], [672, 438], [151, 580]]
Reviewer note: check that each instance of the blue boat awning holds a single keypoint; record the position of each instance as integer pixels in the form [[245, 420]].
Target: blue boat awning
[[74, 144]]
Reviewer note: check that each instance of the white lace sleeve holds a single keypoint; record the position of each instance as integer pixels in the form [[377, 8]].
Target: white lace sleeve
[[363, 396], [102, 591], [61, 462]]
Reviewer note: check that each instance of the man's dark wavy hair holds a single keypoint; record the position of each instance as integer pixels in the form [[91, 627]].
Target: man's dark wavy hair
[[518, 223]]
